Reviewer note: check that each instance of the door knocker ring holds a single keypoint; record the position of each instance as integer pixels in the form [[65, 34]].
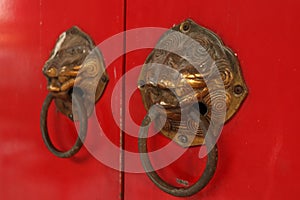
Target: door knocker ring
[[82, 131], [208, 173]]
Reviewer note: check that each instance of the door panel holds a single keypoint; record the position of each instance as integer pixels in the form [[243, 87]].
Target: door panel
[[257, 148], [28, 32]]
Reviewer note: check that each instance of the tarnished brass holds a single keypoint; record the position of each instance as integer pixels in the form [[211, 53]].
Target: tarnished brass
[[71, 61], [187, 190], [82, 118], [158, 87]]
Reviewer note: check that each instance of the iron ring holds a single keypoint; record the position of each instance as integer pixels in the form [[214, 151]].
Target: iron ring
[[207, 175], [82, 131]]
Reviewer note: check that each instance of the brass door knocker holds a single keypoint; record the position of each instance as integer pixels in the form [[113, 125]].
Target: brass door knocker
[[189, 73], [72, 63]]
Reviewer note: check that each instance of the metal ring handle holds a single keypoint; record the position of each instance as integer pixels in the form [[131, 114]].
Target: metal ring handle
[[176, 191], [82, 132]]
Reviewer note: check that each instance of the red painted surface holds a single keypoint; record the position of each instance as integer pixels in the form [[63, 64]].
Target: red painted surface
[[28, 32], [257, 149]]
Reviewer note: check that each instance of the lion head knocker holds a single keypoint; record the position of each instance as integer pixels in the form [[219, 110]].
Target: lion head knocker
[[194, 80], [73, 61]]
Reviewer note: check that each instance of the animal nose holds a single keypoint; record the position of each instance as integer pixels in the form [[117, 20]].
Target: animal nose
[[51, 72]]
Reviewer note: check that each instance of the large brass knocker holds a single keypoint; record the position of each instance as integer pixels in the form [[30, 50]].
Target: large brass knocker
[[73, 61], [190, 71]]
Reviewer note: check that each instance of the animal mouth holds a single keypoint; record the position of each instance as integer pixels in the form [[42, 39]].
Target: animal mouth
[[62, 79]]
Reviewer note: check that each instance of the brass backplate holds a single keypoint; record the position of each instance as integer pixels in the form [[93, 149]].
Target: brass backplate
[[71, 62], [159, 88]]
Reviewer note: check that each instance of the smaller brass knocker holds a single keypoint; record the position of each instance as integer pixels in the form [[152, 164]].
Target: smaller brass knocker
[[73, 62], [190, 71]]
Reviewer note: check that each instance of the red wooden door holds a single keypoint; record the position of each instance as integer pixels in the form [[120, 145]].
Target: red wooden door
[[257, 148], [28, 32]]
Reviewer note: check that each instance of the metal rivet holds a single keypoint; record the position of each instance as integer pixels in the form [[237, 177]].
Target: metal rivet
[[104, 79], [183, 138], [185, 27], [238, 89]]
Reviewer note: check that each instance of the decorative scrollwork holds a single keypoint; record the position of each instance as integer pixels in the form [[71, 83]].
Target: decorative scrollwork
[[75, 58], [194, 58]]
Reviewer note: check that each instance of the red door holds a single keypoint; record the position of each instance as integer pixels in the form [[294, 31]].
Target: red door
[[28, 32], [257, 148]]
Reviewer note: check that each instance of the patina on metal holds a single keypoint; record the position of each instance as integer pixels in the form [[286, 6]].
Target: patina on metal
[[73, 61], [188, 190], [82, 118], [158, 92], [208, 82]]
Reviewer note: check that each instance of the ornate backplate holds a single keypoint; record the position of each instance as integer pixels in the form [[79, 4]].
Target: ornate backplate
[[198, 66], [75, 60]]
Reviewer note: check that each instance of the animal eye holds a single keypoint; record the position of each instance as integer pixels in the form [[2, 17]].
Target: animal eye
[[79, 49], [70, 51]]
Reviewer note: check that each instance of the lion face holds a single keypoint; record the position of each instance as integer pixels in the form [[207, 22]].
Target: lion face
[[195, 79], [75, 60]]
